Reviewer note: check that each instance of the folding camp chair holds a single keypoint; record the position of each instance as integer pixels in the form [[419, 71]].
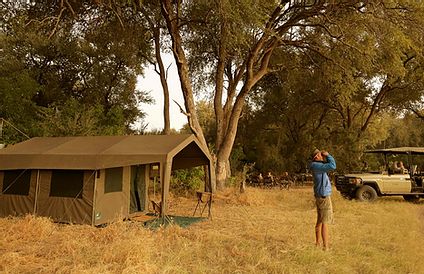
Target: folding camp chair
[[157, 208], [206, 199]]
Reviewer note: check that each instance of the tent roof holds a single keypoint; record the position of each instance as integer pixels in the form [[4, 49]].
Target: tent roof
[[97, 152], [399, 150]]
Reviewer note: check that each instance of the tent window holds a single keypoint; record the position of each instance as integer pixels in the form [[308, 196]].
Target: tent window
[[67, 183], [16, 182], [113, 180]]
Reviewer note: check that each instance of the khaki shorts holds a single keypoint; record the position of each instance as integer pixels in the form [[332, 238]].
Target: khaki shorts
[[324, 210]]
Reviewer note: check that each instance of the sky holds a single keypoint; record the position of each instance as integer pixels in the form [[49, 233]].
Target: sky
[[150, 82]]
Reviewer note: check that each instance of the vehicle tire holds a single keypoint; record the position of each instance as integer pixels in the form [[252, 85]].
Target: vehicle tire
[[411, 198], [366, 194]]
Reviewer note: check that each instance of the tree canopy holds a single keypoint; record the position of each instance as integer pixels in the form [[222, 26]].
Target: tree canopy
[[344, 96], [74, 76]]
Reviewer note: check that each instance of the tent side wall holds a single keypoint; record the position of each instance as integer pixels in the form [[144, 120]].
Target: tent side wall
[[17, 204], [112, 195], [58, 201]]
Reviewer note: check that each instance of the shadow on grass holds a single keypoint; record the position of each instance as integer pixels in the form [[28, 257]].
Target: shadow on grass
[[182, 221]]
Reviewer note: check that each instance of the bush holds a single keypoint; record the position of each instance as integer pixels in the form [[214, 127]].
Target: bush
[[187, 181]]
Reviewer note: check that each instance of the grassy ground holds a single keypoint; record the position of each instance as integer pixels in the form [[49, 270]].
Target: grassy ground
[[261, 231]]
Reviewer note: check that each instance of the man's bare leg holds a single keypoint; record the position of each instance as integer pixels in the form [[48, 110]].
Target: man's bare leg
[[318, 233], [325, 237]]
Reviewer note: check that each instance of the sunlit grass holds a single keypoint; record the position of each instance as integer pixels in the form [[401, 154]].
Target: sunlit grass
[[261, 231]]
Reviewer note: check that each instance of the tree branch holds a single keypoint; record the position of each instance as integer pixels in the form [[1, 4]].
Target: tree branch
[[57, 23]]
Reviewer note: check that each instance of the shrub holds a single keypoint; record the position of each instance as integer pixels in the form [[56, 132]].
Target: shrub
[[187, 181]]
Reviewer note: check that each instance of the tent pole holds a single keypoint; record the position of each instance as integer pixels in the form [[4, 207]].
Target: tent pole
[[37, 189], [146, 186], [93, 212], [166, 176], [163, 196]]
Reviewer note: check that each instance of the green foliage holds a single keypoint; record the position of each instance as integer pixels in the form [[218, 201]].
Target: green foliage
[[76, 119], [72, 119], [187, 181], [236, 159], [74, 76], [17, 89], [339, 98], [405, 131], [230, 26], [206, 116]]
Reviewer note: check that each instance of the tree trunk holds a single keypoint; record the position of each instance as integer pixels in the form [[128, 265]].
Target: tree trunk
[[163, 80], [155, 26], [221, 173], [251, 70], [172, 22], [243, 185], [246, 169]]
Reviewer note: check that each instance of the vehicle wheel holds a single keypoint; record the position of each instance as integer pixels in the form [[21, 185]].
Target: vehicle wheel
[[411, 198], [366, 194]]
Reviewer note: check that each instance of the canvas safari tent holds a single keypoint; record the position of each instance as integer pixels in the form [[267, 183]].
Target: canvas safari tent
[[95, 179]]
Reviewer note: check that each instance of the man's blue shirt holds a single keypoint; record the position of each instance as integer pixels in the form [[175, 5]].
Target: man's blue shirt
[[322, 184]]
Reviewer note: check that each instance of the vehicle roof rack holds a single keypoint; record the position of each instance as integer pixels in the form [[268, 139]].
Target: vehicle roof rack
[[399, 150]]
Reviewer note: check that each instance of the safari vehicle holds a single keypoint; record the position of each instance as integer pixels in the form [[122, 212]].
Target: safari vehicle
[[392, 181]]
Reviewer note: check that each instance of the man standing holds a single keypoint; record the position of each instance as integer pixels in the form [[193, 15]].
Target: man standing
[[322, 162]]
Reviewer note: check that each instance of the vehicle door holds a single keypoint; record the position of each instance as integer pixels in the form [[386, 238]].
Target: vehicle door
[[397, 183]]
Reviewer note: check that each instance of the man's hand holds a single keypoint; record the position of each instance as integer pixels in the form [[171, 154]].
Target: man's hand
[[324, 153]]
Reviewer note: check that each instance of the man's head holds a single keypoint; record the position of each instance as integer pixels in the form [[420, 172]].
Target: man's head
[[317, 155]]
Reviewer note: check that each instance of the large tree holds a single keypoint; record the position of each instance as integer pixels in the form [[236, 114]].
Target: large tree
[[234, 41]]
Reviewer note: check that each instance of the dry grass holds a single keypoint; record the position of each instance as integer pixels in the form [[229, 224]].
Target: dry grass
[[261, 231]]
